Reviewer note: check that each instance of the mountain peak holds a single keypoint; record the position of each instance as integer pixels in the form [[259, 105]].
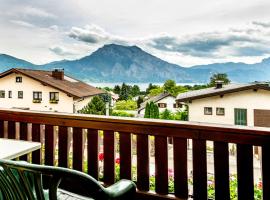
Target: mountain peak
[[121, 47]]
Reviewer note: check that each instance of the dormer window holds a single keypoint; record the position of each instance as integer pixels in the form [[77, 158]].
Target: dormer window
[[18, 79]]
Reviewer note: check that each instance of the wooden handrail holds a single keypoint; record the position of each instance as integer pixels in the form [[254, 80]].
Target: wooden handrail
[[192, 130]]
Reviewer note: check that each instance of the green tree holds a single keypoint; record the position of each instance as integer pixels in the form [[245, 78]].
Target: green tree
[[169, 86], [108, 89], [135, 90], [95, 106], [126, 105], [219, 77], [139, 101], [124, 92], [117, 89], [152, 110], [106, 97], [177, 90], [151, 87], [156, 91], [156, 112], [166, 114], [147, 111]]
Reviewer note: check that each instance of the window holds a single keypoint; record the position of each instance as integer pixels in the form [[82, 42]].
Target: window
[[177, 105], [208, 110], [2, 93], [220, 111], [18, 79], [162, 105], [9, 94], [54, 97], [37, 97], [240, 116], [20, 94]]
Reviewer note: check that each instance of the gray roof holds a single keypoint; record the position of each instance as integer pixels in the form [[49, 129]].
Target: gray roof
[[213, 91], [154, 99]]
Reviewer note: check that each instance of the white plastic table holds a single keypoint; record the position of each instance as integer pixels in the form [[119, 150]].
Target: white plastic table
[[11, 149]]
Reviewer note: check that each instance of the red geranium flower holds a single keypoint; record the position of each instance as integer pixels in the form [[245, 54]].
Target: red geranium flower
[[117, 160], [170, 171], [101, 156], [259, 185]]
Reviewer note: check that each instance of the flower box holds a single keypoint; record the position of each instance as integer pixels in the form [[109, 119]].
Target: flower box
[[54, 101], [37, 100]]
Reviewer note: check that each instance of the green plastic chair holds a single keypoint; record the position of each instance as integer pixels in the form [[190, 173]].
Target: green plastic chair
[[20, 180]]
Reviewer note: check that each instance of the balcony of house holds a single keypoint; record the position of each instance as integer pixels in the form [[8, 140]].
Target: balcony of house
[[166, 159]]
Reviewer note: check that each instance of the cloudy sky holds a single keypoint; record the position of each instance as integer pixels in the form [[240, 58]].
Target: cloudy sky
[[182, 32]]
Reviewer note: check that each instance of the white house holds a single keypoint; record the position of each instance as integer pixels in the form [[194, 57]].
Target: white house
[[163, 101], [238, 104], [44, 91], [114, 98]]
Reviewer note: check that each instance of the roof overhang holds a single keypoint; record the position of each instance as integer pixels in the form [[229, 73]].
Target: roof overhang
[[218, 93]]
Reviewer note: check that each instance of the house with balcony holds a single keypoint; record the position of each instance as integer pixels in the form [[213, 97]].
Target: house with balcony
[[233, 104], [42, 90], [163, 101]]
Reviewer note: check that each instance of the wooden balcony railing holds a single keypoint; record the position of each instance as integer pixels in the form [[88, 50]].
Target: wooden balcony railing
[[64, 137]]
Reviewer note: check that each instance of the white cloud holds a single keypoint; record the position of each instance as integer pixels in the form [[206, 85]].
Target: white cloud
[[54, 27], [36, 12], [22, 23], [61, 51]]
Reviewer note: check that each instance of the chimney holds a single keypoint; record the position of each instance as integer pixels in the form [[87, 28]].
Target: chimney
[[58, 74], [219, 84]]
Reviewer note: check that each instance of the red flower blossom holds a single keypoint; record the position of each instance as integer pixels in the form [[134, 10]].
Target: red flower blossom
[[259, 185], [117, 160], [101, 156], [170, 171]]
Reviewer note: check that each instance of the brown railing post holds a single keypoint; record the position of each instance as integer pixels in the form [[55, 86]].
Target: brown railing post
[[92, 144], [180, 167], [109, 157], [142, 162], [125, 155], [221, 168], [161, 164], [49, 145], [63, 146], [245, 172], [11, 130], [78, 148], [266, 171], [36, 155], [199, 170], [23, 136], [1, 129]]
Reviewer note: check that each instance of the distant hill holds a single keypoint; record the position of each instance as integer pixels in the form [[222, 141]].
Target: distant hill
[[117, 63], [7, 62]]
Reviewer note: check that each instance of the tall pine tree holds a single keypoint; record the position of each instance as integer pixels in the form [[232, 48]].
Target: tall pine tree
[[147, 111]]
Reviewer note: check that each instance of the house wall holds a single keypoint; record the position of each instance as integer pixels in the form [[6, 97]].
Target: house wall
[[169, 101], [28, 85], [248, 99]]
